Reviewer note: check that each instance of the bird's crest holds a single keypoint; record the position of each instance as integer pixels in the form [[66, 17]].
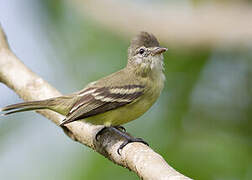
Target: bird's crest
[[144, 39]]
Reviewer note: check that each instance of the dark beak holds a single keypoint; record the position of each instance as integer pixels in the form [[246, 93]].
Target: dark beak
[[159, 50]]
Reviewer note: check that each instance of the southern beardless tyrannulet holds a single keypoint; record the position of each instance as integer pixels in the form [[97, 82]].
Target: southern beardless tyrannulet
[[115, 99]]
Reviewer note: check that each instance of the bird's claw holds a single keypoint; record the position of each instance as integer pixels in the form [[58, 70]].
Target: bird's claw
[[100, 133], [120, 130], [131, 140]]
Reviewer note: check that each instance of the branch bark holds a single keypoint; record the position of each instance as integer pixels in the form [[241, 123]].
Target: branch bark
[[137, 157]]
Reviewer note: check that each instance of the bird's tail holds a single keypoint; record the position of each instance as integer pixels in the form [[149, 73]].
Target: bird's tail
[[26, 106], [61, 104]]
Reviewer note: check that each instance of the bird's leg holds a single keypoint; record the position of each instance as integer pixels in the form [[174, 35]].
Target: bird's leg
[[128, 138], [107, 128]]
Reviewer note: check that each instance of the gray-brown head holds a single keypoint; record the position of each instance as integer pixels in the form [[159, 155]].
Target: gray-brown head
[[145, 51]]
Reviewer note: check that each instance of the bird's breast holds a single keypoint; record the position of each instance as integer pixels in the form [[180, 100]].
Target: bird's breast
[[135, 109]]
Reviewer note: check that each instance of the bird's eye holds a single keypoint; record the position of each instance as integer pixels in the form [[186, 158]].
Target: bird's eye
[[141, 51]]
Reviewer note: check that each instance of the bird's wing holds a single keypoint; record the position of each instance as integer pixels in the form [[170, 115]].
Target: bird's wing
[[96, 100]]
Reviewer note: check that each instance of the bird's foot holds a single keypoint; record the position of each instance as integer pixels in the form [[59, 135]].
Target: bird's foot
[[130, 140], [121, 131], [100, 133], [120, 128]]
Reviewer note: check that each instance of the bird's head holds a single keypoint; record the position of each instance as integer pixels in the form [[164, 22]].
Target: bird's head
[[145, 53]]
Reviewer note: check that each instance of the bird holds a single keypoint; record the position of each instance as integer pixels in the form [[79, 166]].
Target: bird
[[116, 99]]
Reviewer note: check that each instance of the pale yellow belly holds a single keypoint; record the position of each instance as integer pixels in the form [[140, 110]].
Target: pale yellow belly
[[123, 114]]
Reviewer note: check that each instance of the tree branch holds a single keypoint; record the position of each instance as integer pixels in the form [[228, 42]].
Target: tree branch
[[137, 157]]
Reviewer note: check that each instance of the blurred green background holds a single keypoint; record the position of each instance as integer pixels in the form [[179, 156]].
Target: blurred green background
[[201, 124]]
